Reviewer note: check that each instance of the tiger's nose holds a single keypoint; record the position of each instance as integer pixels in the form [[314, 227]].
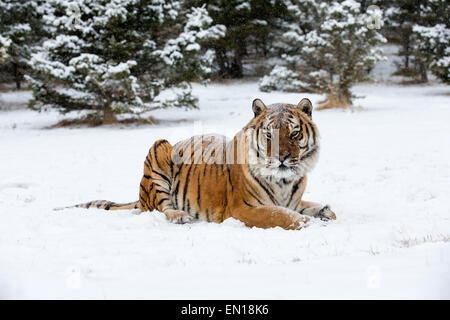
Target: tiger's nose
[[284, 155]]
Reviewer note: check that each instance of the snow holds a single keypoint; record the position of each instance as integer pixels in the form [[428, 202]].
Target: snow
[[4, 45], [384, 169], [14, 99]]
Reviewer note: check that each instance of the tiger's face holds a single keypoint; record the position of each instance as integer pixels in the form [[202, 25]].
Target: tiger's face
[[284, 142]]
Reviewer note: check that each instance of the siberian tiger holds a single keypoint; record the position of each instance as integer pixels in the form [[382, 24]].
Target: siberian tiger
[[258, 177]]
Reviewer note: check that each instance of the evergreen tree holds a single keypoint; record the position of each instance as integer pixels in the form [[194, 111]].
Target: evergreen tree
[[251, 31], [434, 47], [432, 38], [403, 17], [328, 48], [121, 56], [21, 25]]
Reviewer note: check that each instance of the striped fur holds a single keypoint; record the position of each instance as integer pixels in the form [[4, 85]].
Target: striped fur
[[258, 177]]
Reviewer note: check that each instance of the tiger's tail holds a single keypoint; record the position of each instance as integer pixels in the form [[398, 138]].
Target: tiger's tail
[[105, 205]]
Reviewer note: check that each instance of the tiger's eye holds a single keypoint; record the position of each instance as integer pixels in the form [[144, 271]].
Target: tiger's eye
[[268, 135], [294, 134]]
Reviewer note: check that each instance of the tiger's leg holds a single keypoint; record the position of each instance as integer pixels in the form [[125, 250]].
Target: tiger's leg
[[317, 210], [156, 184], [311, 209], [269, 217]]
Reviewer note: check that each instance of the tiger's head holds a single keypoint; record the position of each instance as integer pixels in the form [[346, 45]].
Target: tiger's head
[[284, 142]]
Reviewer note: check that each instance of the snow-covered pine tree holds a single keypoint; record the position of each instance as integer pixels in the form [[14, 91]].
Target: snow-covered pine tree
[[405, 19], [20, 23], [434, 46], [399, 18], [328, 48], [251, 29], [431, 36], [121, 56]]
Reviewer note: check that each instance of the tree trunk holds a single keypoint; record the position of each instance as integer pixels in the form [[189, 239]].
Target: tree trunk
[[423, 72], [220, 56], [108, 116], [237, 70], [335, 100], [407, 53], [17, 76]]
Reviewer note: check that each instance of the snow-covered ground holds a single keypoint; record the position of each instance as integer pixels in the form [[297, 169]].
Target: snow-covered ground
[[384, 169]]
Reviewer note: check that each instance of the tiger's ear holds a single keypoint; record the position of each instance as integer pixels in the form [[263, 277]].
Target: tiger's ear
[[305, 106], [258, 107]]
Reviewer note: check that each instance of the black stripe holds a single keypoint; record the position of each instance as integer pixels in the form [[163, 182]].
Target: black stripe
[[308, 154], [143, 189], [155, 147], [176, 174], [229, 177], [265, 189], [156, 158], [186, 184], [161, 201], [147, 164], [162, 176], [248, 204], [188, 210], [294, 190], [254, 196], [198, 193], [176, 193], [308, 128], [314, 133], [160, 142], [146, 202]]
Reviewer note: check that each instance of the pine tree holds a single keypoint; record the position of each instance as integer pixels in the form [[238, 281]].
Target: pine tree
[[121, 56], [328, 49], [402, 18], [432, 38], [434, 48], [251, 31], [21, 25]]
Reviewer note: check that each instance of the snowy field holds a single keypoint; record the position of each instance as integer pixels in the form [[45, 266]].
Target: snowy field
[[384, 169]]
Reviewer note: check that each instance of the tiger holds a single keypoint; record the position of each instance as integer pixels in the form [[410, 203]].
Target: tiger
[[258, 177]]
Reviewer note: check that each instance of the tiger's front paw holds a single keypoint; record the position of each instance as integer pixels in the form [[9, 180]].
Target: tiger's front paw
[[326, 214], [178, 217]]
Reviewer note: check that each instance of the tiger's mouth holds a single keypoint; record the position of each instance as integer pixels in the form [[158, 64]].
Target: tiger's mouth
[[275, 164], [284, 171], [284, 167]]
